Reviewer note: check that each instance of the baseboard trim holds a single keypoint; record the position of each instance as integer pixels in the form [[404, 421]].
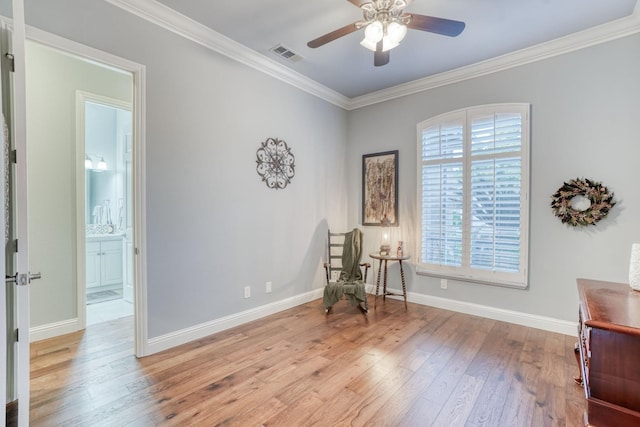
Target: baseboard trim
[[173, 339], [510, 316], [50, 330], [165, 342]]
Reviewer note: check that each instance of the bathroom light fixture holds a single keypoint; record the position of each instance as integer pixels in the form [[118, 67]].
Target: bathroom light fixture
[[94, 162], [102, 165]]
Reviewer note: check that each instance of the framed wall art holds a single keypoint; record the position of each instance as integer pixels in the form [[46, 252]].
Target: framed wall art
[[380, 188]]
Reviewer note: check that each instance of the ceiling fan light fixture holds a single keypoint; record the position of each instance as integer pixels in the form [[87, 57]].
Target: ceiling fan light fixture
[[369, 44], [388, 44], [374, 32], [385, 25], [396, 32]]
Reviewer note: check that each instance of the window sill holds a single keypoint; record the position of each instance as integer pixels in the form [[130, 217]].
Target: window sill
[[496, 280]]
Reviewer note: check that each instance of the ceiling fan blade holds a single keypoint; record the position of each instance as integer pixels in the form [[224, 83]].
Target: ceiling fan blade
[[380, 58], [446, 27], [359, 2], [329, 37]]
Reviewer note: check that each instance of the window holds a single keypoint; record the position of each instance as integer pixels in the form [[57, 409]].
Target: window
[[473, 183]]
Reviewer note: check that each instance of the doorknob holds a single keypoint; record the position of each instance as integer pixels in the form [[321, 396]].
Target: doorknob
[[23, 279]]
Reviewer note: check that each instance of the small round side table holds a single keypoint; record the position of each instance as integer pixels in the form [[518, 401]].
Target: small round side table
[[383, 261]]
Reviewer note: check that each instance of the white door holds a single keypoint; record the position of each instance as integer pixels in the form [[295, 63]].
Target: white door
[[7, 365], [127, 261], [16, 348]]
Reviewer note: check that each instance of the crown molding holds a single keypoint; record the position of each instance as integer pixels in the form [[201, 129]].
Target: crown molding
[[603, 33], [177, 23], [169, 19]]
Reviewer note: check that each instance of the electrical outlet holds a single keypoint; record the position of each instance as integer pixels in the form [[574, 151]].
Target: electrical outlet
[[268, 287], [443, 283], [247, 291]]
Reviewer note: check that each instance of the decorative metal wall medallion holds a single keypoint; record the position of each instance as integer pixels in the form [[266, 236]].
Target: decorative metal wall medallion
[[276, 163]]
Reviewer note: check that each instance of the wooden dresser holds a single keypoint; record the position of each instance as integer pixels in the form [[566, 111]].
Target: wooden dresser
[[609, 347]]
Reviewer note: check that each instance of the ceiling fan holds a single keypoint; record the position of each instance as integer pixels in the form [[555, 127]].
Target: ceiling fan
[[385, 24]]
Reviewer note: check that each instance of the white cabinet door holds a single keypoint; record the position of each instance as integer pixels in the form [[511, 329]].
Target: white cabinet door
[[93, 264], [104, 262], [111, 262]]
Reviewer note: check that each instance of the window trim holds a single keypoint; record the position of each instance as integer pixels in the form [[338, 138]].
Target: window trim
[[519, 279]]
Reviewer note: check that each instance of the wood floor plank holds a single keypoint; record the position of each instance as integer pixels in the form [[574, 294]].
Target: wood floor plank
[[256, 415], [497, 366], [378, 395], [422, 413], [446, 382], [392, 367], [521, 397], [337, 404], [405, 397], [298, 412], [456, 409]]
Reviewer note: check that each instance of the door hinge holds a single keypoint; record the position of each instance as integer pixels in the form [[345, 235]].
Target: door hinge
[[17, 335], [14, 156], [15, 246], [12, 62]]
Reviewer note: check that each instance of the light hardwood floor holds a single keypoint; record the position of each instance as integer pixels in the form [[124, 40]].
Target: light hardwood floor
[[422, 367]]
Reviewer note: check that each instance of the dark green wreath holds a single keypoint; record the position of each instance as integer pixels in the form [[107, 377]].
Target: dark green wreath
[[599, 196]]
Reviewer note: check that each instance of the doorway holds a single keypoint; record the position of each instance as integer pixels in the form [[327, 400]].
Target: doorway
[[105, 131], [69, 87]]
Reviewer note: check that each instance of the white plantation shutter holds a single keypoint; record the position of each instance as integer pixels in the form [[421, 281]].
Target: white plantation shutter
[[442, 213], [442, 147], [473, 193]]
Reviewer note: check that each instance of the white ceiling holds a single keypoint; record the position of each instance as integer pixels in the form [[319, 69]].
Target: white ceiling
[[493, 28]]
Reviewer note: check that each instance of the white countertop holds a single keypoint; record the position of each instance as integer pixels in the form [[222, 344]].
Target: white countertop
[[112, 236]]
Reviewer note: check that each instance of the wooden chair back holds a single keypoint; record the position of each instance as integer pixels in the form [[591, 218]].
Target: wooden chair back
[[333, 266]]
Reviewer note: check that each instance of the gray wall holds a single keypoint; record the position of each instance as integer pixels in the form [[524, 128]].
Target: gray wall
[[212, 226], [585, 114]]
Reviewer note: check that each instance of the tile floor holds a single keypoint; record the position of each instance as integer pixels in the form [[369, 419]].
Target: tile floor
[[109, 310]]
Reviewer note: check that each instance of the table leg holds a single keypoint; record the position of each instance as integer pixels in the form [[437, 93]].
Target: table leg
[[377, 285], [404, 288], [384, 290]]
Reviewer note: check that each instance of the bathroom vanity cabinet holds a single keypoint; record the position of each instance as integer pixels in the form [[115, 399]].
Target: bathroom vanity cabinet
[[104, 261]]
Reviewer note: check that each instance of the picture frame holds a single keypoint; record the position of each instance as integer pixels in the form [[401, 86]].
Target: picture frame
[[380, 188]]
